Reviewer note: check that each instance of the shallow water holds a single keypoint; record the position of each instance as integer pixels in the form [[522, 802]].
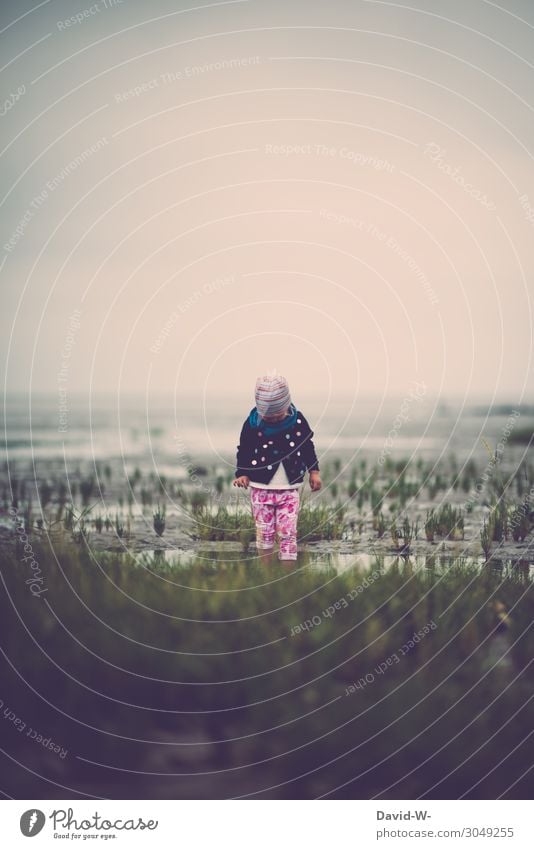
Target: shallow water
[[125, 427], [341, 562]]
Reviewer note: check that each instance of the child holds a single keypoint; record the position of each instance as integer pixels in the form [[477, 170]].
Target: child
[[275, 450]]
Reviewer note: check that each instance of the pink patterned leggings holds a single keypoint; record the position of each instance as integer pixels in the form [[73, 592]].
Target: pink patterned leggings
[[276, 511]]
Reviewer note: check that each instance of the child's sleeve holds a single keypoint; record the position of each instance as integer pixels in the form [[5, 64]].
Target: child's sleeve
[[307, 447], [242, 459]]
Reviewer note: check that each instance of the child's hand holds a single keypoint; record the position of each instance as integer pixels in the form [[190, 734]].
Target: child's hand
[[315, 481], [241, 481]]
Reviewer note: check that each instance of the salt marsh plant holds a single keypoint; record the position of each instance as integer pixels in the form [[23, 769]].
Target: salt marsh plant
[[27, 514], [315, 522], [486, 537], [401, 489], [430, 525], [221, 525], [519, 522], [198, 501], [469, 476], [158, 518], [70, 518], [434, 485], [377, 501], [62, 492], [521, 477], [199, 471], [146, 497], [403, 537], [497, 484], [119, 526], [449, 522], [246, 536], [81, 534], [395, 534], [87, 486], [500, 522], [409, 532], [45, 493], [320, 522], [380, 525]]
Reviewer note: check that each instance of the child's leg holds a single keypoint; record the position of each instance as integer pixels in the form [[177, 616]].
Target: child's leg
[[287, 511], [263, 512]]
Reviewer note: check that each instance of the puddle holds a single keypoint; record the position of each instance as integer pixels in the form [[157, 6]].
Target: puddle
[[339, 561]]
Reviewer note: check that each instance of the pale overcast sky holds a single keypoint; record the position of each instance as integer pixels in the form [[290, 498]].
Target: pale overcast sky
[[194, 193]]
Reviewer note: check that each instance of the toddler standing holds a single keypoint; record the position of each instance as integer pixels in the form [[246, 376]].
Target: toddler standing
[[274, 453]]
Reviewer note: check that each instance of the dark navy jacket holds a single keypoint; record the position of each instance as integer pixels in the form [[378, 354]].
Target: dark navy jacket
[[260, 450]]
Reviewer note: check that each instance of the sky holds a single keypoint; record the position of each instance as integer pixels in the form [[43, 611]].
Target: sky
[[196, 193]]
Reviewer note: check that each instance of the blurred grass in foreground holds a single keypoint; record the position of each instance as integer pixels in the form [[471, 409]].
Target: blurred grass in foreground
[[187, 682]]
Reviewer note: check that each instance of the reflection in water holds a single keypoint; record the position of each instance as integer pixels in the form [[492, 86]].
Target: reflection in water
[[341, 561]]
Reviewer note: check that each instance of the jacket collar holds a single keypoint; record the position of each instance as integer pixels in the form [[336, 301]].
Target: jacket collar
[[255, 421]]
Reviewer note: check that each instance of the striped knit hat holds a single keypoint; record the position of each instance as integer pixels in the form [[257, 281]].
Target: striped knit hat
[[272, 394]]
